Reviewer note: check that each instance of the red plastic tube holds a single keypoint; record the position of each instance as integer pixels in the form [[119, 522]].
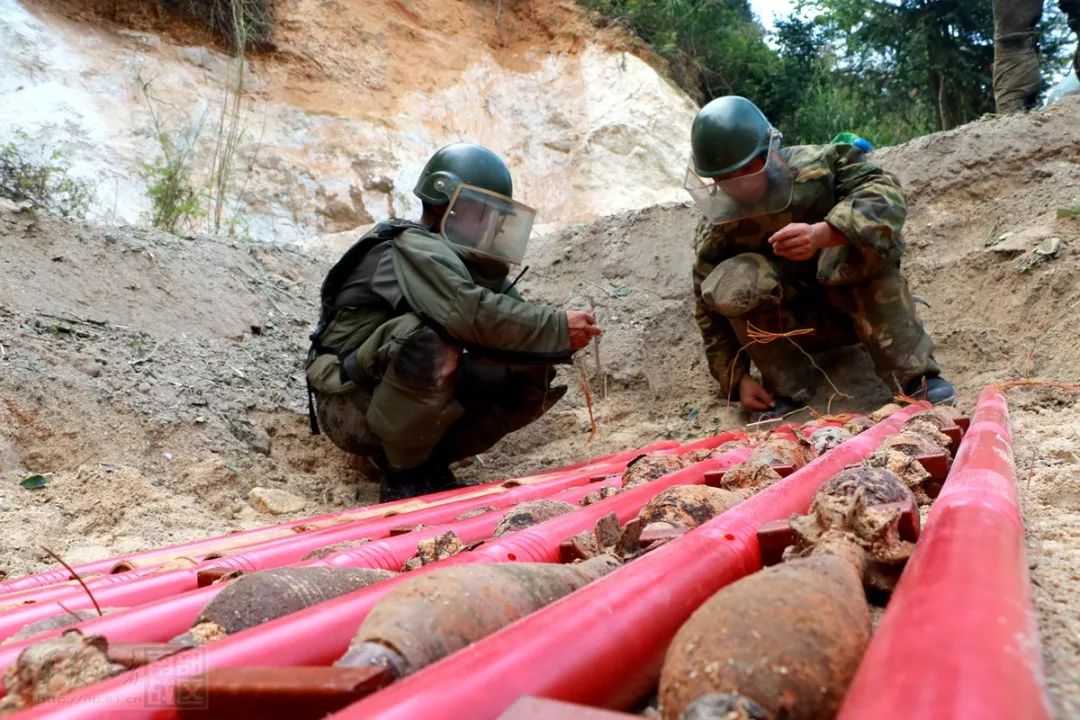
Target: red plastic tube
[[604, 644], [370, 528], [287, 547], [172, 619], [959, 639], [145, 585], [162, 620], [141, 586], [315, 636], [540, 543], [155, 556]]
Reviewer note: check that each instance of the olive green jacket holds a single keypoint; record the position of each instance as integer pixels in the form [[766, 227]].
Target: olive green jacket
[[466, 299], [834, 183]]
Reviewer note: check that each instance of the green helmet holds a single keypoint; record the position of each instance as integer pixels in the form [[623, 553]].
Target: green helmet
[[462, 163], [728, 133]]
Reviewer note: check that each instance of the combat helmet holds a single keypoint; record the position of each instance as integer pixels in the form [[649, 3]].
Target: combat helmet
[[462, 164], [473, 186], [736, 167], [727, 134]]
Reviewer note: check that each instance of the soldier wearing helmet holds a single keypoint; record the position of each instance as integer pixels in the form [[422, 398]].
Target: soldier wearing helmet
[[798, 238], [425, 353]]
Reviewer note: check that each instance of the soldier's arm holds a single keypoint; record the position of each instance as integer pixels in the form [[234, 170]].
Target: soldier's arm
[[726, 364], [872, 206], [438, 287]]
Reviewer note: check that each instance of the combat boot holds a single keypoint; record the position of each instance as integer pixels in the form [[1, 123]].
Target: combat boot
[[426, 478], [933, 388]]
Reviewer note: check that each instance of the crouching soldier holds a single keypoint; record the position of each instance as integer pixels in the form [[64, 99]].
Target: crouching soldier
[[804, 238], [425, 353]]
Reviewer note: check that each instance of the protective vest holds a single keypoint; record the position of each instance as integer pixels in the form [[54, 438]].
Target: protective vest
[[331, 287]]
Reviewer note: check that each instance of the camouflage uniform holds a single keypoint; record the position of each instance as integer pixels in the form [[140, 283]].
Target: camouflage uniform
[[847, 294], [431, 354], [1016, 62]]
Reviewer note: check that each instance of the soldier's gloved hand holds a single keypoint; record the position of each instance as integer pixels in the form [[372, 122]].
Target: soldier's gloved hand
[[583, 328], [753, 395], [800, 241]]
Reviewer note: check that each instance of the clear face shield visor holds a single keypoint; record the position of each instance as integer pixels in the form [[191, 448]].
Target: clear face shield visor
[[764, 191], [488, 224]]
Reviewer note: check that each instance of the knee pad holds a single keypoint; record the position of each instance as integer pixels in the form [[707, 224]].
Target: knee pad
[[740, 284]]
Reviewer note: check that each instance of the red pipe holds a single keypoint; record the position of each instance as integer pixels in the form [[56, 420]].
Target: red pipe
[[387, 554], [391, 553], [372, 528], [540, 543], [136, 587], [145, 585], [160, 621], [603, 645], [959, 639], [145, 557], [315, 636]]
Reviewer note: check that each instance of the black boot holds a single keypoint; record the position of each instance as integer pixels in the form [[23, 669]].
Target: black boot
[[934, 388], [426, 478]]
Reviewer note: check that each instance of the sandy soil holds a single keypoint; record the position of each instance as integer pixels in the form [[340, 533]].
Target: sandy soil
[[157, 379]]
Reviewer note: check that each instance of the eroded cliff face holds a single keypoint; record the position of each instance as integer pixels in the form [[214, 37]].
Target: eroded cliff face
[[336, 118]]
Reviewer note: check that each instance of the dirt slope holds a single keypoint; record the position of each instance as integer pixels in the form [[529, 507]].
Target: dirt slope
[[157, 379]]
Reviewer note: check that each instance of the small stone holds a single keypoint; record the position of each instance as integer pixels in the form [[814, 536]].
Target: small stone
[[884, 411], [91, 368], [254, 435], [275, 502]]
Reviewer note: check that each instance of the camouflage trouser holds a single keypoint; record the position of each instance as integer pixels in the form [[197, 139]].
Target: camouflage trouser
[[1071, 8], [1016, 62], [428, 400], [750, 289]]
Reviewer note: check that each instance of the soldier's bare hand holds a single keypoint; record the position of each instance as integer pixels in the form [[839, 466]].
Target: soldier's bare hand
[[583, 328], [799, 241], [753, 395]]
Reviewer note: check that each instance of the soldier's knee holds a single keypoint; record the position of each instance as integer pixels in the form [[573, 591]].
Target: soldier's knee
[[342, 418], [741, 284], [426, 361]]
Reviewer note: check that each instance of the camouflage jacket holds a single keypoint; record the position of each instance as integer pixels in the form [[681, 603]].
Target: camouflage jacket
[[834, 183]]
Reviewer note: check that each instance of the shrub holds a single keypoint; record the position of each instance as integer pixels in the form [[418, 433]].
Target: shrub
[[39, 175]]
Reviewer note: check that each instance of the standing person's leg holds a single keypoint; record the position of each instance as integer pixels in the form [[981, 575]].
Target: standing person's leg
[[1071, 8], [1016, 61]]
